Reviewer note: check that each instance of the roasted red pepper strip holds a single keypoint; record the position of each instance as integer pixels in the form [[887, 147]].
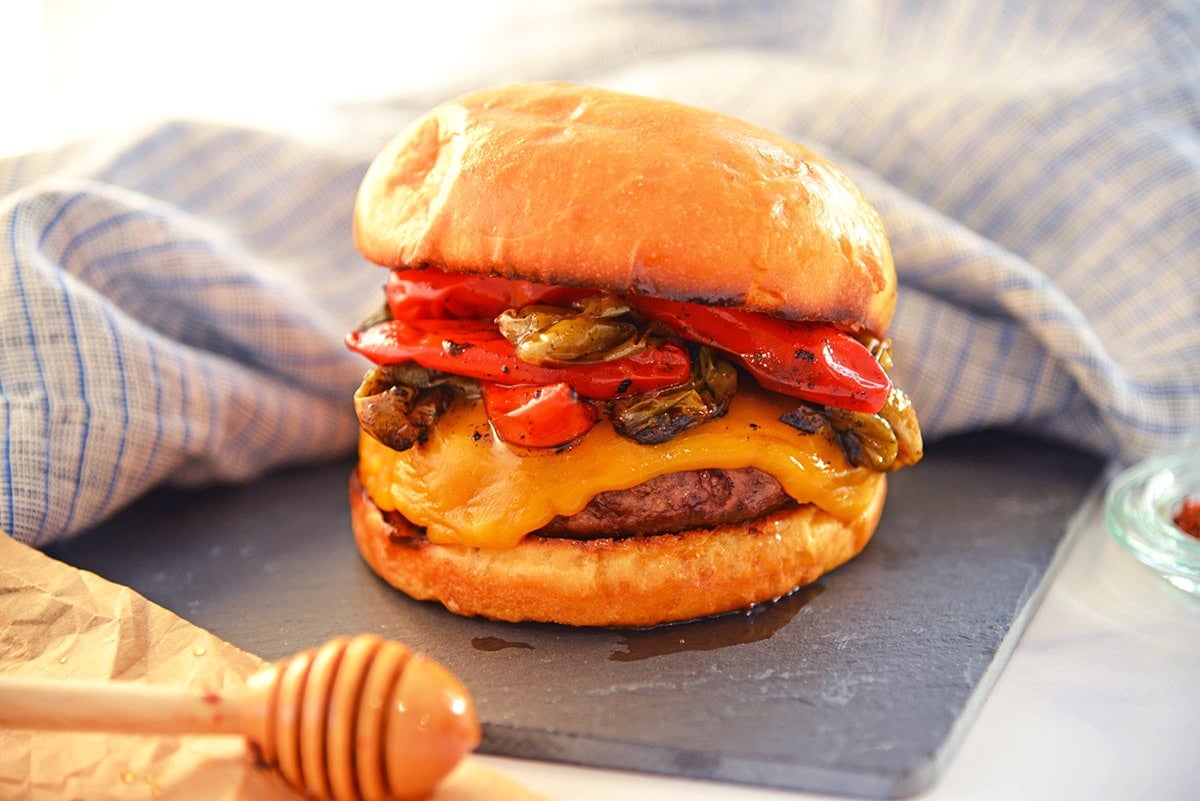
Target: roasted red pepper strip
[[430, 294], [475, 349], [813, 361], [537, 416], [809, 360]]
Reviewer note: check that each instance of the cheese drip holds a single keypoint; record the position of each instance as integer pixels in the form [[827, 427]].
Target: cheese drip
[[465, 486]]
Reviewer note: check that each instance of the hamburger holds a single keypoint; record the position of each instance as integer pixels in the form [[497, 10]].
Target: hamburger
[[631, 363]]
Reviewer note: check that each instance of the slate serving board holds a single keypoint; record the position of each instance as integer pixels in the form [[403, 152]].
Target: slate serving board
[[861, 684]]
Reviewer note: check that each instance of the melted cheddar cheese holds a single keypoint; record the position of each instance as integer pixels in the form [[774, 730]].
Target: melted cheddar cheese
[[465, 486]]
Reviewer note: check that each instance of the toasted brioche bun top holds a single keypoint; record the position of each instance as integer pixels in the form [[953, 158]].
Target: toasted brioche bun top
[[578, 186]]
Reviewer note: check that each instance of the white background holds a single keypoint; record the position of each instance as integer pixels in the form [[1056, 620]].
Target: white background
[[76, 68]]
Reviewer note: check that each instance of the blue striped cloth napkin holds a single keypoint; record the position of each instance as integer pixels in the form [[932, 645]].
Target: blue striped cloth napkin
[[172, 303]]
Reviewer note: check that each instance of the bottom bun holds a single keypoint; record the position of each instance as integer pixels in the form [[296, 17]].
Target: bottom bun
[[629, 582]]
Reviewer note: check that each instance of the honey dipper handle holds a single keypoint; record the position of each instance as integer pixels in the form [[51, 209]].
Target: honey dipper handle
[[119, 707]]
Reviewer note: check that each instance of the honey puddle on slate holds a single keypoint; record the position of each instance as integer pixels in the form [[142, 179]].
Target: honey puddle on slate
[[496, 644], [707, 634]]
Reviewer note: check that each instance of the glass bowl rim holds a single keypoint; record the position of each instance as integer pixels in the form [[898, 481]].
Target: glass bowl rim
[[1140, 505]]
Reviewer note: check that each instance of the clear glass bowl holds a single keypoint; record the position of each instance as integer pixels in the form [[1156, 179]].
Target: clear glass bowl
[[1140, 506]]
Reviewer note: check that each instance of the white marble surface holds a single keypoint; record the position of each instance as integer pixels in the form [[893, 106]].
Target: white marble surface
[[1099, 700]]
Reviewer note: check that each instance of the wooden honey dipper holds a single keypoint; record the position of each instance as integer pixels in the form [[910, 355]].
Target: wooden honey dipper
[[356, 719]]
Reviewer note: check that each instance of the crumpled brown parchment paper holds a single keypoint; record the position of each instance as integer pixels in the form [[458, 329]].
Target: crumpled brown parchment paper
[[60, 622]]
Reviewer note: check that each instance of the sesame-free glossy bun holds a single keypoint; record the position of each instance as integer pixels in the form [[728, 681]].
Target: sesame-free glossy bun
[[631, 582], [570, 185]]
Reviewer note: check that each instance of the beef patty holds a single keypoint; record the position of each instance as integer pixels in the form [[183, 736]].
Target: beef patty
[[674, 502]]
